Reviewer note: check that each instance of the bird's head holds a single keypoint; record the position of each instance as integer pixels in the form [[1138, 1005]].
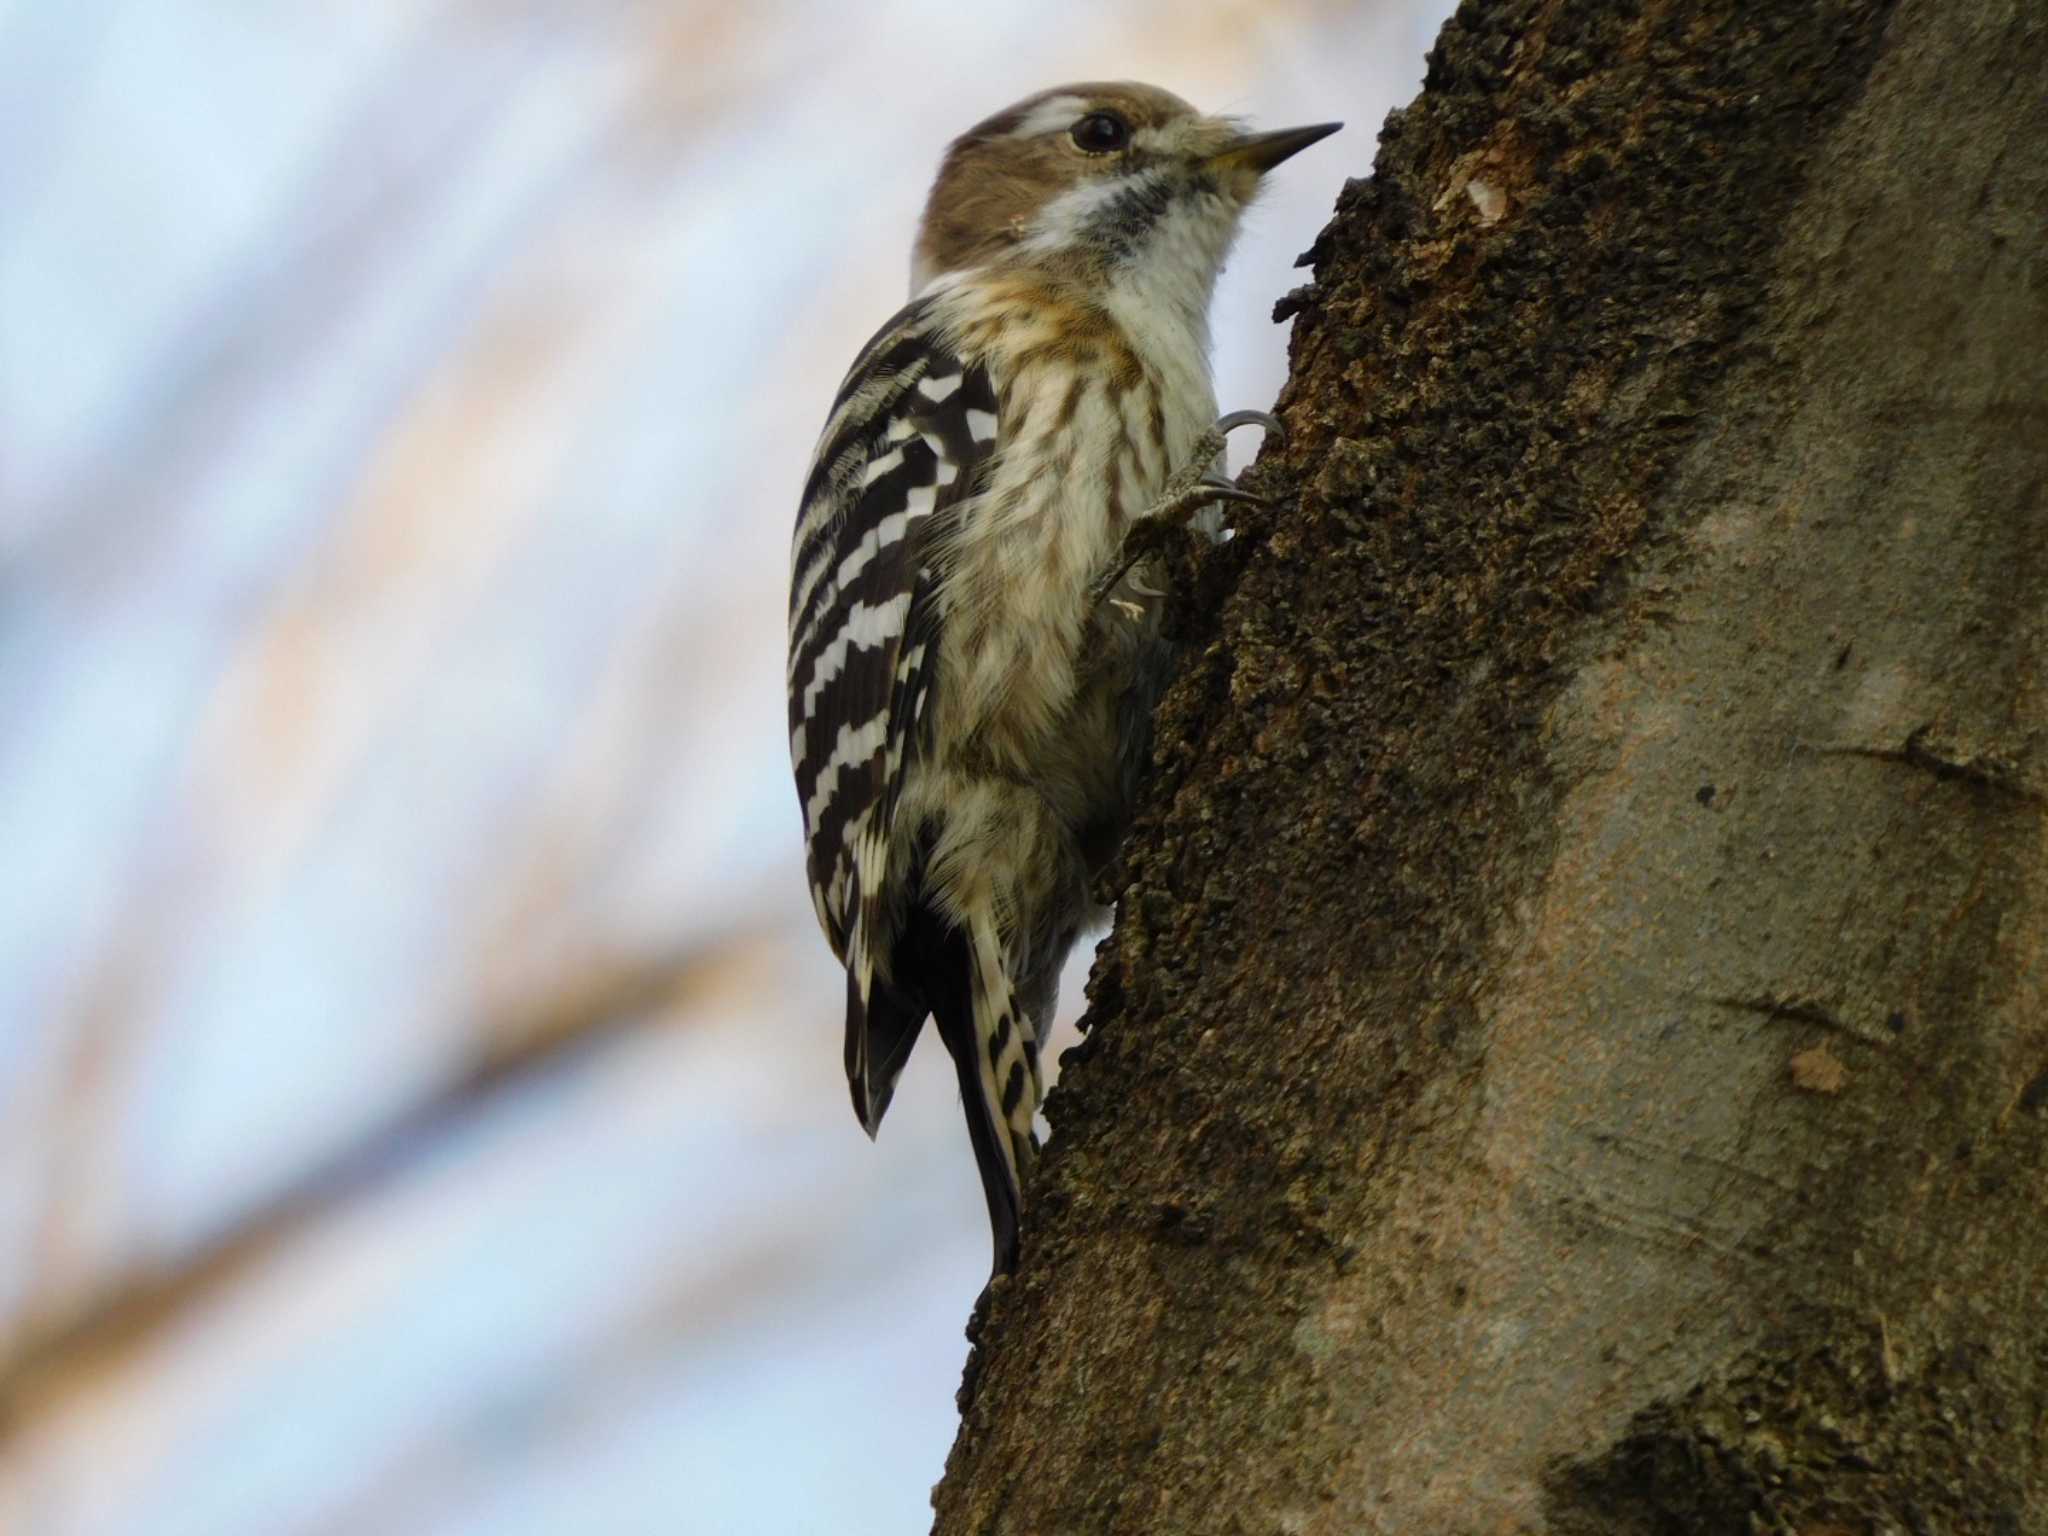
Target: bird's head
[[1108, 184]]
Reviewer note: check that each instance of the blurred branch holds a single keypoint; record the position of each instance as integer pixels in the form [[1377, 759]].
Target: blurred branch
[[589, 1010]]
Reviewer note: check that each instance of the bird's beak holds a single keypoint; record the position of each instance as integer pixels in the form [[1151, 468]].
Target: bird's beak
[[1260, 152]]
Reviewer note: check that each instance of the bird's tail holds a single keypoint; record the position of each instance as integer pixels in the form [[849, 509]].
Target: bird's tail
[[882, 1021], [994, 1045]]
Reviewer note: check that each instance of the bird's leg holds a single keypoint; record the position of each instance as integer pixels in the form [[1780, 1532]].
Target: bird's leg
[[1195, 485]]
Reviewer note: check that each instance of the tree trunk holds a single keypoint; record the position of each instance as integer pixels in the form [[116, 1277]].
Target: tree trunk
[[1573, 1052]]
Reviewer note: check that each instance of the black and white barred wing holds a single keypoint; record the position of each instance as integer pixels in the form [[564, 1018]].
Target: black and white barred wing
[[908, 440]]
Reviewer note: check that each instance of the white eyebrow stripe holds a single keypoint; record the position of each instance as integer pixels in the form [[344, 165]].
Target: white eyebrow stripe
[[1047, 116]]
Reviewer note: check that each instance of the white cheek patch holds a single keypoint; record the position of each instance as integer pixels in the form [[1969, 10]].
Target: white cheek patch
[[1066, 218]]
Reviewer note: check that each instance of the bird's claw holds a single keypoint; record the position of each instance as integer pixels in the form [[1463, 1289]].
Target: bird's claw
[[1188, 492], [1269, 424], [1222, 488], [1142, 540]]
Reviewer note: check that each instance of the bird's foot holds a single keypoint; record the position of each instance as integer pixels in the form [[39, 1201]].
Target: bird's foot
[[1197, 484]]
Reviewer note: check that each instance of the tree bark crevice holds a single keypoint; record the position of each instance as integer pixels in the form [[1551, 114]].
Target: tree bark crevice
[[1563, 1058]]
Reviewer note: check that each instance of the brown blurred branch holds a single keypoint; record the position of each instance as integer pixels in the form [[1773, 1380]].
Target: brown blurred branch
[[588, 1010]]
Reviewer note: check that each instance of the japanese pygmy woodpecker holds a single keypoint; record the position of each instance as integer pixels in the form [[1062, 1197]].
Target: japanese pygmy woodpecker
[[974, 647]]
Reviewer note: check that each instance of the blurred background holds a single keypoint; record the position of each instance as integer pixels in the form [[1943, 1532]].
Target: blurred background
[[420, 1093]]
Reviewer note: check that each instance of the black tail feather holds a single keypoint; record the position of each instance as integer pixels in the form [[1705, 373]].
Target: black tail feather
[[957, 1030], [938, 955], [932, 961], [889, 1025]]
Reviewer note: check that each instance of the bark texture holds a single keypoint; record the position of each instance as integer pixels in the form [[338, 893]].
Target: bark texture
[[1573, 1052]]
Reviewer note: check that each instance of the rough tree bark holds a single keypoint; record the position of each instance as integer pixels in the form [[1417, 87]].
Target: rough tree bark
[[1573, 1052]]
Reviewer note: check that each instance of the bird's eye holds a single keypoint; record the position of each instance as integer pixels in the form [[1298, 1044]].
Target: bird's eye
[[1101, 133]]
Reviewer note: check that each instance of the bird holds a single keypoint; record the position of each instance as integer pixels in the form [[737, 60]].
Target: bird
[[975, 643]]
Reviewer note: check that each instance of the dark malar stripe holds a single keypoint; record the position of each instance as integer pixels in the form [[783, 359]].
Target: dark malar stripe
[[1127, 219]]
